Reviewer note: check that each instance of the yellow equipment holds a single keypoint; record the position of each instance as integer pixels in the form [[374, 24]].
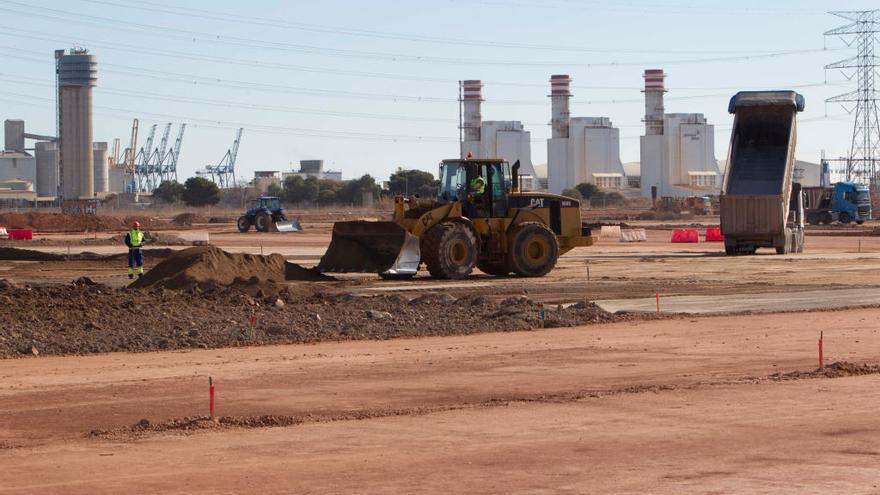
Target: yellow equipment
[[501, 230]]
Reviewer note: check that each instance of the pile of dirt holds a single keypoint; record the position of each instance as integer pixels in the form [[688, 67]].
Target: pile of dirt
[[16, 254], [62, 222], [87, 317], [188, 219], [838, 369], [221, 220], [208, 266], [155, 238]]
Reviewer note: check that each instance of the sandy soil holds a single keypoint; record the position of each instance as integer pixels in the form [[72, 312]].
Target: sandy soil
[[681, 405], [661, 407]]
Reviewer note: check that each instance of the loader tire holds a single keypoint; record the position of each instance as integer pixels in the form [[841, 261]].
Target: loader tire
[[449, 250], [533, 250], [244, 224], [496, 269], [263, 221]]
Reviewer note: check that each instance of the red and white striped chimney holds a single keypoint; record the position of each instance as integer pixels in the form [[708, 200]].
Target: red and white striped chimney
[[472, 97], [654, 89], [560, 93]]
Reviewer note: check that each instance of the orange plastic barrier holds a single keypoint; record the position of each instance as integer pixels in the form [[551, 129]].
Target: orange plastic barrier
[[685, 235], [714, 235]]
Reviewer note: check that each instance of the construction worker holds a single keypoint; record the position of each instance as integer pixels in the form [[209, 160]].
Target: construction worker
[[478, 186], [476, 197], [135, 240]]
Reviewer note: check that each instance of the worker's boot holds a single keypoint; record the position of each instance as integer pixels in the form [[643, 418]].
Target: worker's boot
[[141, 275], [131, 276]]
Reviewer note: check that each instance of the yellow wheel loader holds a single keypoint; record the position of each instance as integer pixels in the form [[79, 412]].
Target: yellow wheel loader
[[480, 218]]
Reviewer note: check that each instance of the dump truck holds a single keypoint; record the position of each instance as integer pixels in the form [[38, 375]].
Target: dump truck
[[481, 218], [843, 202], [760, 205]]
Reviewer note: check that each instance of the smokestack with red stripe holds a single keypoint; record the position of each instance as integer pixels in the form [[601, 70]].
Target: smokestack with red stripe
[[654, 89], [560, 93], [472, 97]]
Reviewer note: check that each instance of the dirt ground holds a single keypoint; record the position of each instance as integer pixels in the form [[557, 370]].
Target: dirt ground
[[692, 406], [424, 386]]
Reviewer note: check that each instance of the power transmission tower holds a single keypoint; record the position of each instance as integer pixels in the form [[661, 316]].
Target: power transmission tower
[[863, 161]]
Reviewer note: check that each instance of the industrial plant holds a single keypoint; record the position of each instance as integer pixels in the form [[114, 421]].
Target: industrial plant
[[581, 149]]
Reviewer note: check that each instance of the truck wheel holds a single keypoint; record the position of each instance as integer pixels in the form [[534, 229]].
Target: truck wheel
[[497, 269], [859, 222], [449, 250], [813, 219], [826, 218], [244, 224], [844, 218], [262, 221], [787, 243], [533, 250]]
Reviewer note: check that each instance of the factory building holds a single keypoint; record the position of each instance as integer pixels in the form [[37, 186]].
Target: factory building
[[677, 150], [505, 139], [581, 149], [313, 168], [18, 167]]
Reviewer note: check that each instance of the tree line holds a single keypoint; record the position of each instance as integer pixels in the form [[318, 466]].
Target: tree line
[[297, 190]]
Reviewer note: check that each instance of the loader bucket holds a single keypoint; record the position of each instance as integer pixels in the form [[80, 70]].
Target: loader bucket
[[293, 226], [371, 247]]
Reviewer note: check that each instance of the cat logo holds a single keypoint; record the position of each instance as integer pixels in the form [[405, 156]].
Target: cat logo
[[537, 202]]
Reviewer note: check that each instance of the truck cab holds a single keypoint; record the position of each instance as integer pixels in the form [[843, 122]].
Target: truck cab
[[851, 202], [844, 202]]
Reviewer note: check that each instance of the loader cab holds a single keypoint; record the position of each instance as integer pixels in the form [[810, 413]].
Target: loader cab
[[456, 177]]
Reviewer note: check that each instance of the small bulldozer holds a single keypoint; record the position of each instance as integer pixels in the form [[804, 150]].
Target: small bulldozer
[[480, 218], [266, 215]]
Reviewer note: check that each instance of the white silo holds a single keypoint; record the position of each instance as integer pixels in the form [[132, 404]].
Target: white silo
[[101, 168], [46, 154]]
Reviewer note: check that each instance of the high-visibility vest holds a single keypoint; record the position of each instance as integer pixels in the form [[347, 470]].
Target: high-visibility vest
[[478, 185], [136, 237]]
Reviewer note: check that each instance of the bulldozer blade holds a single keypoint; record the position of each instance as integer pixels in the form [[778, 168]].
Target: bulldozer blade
[[371, 247], [292, 226]]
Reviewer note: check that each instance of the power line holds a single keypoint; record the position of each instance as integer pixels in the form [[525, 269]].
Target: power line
[[253, 85], [238, 18], [205, 37], [261, 128]]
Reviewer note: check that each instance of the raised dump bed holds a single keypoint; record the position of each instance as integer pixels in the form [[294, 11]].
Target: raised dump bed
[[760, 206]]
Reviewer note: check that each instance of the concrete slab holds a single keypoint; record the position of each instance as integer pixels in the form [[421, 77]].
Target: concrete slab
[[762, 301]]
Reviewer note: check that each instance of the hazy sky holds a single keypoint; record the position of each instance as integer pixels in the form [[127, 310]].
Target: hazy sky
[[370, 86]]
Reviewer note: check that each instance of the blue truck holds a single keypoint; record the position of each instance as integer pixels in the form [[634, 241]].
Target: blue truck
[[842, 202]]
